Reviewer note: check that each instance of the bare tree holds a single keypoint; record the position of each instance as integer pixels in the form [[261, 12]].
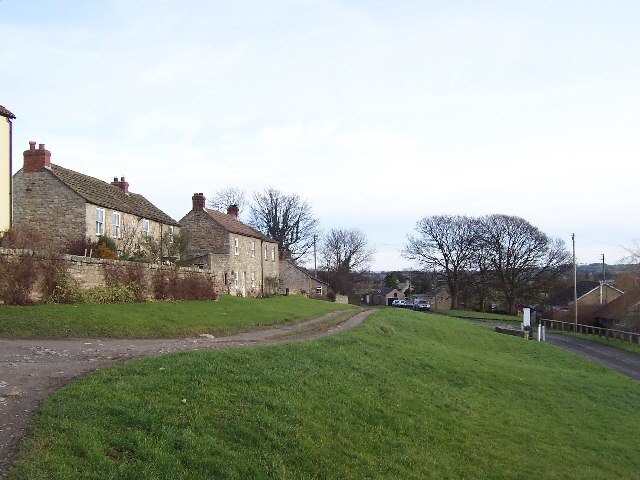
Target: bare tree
[[523, 259], [225, 197], [285, 218], [446, 243], [344, 253]]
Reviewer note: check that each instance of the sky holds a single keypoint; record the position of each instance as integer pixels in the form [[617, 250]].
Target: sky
[[376, 113]]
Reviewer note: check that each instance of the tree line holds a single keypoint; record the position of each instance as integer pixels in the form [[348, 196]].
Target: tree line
[[494, 257]]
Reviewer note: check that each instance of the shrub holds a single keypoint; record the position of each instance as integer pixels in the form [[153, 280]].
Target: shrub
[[168, 285], [81, 246], [115, 293], [17, 278], [131, 274], [55, 284], [102, 251]]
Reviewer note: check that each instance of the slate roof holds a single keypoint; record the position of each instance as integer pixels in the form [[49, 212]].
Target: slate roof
[[6, 113], [104, 194], [565, 297], [233, 225]]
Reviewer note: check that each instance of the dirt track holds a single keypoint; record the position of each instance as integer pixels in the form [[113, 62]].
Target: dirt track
[[30, 370]]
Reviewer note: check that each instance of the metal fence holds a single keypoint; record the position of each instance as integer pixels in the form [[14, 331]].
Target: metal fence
[[623, 336]]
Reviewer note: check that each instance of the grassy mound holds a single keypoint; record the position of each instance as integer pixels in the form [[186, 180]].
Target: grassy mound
[[406, 395]]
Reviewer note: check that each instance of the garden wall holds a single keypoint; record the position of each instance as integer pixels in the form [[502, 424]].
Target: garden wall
[[91, 272]]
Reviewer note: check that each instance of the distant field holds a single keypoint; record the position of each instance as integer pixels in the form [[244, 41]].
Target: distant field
[[158, 319], [407, 395], [480, 315]]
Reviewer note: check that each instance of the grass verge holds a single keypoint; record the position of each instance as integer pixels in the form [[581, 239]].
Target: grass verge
[[158, 319], [404, 396], [633, 348]]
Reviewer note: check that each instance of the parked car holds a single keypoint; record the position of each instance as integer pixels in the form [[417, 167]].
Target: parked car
[[400, 303], [422, 305]]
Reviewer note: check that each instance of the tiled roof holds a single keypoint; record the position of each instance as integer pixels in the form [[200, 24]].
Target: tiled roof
[[104, 194], [565, 297], [6, 113], [233, 225], [619, 308]]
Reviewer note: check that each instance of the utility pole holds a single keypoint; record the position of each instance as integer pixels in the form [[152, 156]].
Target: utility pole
[[604, 275], [315, 261], [575, 281]]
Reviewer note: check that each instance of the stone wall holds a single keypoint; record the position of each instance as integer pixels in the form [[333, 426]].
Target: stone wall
[[43, 204], [89, 272]]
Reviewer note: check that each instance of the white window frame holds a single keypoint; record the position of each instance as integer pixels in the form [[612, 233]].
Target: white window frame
[[273, 254], [253, 249], [253, 279], [236, 278], [266, 253], [236, 246], [116, 219], [318, 289], [99, 221], [146, 228], [170, 234]]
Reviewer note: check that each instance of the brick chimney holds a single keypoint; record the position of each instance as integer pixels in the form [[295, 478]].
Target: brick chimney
[[36, 160], [198, 201], [233, 210], [121, 184]]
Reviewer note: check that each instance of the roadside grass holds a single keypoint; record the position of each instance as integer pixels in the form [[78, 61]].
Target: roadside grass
[[158, 319], [633, 348], [481, 315], [407, 395]]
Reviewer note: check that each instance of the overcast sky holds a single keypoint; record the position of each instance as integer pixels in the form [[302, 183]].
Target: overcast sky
[[378, 113]]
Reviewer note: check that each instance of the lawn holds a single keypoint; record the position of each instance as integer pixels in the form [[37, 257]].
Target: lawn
[[158, 319], [406, 395]]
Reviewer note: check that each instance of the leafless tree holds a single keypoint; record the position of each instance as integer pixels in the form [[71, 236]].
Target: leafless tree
[[446, 243], [344, 253], [288, 219], [225, 197], [523, 259]]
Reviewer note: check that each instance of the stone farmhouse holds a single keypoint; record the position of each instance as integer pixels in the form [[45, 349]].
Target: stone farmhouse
[[65, 206], [245, 261], [5, 168]]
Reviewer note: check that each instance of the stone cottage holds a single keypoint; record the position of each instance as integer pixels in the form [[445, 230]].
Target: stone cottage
[[295, 280], [244, 260], [65, 206]]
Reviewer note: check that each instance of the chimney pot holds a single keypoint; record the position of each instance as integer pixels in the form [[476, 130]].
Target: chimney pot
[[121, 184], [122, 179], [115, 179], [36, 160], [198, 201]]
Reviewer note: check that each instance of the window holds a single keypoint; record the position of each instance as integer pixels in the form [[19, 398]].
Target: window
[[266, 254], [116, 225], [319, 289], [236, 246], [253, 279], [235, 280], [99, 221], [170, 235], [145, 229], [253, 249], [273, 254]]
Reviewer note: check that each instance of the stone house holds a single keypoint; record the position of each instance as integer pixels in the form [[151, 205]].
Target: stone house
[[245, 261], [66, 206], [5, 168], [295, 280]]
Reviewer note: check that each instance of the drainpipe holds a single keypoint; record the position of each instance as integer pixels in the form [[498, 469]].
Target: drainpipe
[[261, 267], [10, 172]]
